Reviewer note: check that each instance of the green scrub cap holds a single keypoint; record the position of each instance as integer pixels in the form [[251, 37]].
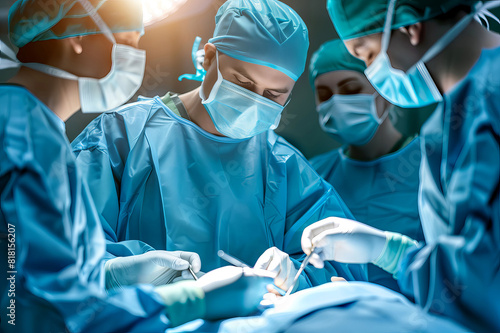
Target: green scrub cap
[[333, 56], [38, 20], [357, 18], [262, 32]]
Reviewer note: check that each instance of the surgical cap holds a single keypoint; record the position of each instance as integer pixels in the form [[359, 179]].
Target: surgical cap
[[333, 56], [262, 32], [38, 20], [357, 18]]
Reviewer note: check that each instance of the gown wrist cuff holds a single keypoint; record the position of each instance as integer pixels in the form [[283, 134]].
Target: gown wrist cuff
[[393, 252], [184, 301]]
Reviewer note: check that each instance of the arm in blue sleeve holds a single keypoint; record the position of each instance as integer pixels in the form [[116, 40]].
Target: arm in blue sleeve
[[311, 199], [103, 174], [457, 273], [59, 260]]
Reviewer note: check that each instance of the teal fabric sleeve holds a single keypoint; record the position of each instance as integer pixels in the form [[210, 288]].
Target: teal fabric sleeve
[[395, 247]]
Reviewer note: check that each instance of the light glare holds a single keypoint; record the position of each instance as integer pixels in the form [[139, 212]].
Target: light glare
[[156, 10]]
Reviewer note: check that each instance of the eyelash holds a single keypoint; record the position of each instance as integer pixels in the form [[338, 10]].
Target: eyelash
[[244, 83], [248, 83], [271, 95]]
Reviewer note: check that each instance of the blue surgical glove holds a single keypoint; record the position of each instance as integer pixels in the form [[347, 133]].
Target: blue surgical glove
[[279, 263], [233, 291], [154, 267]]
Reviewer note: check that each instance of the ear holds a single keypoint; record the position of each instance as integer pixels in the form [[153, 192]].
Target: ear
[[210, 53], [76, 44], [414, 33]]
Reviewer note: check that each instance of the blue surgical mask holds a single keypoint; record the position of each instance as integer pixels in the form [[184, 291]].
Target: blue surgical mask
[[415, 88], [350, 119], [237, 112]]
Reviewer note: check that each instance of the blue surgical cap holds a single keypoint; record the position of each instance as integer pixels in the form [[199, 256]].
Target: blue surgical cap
[[38, 20], [333, 56], [262, 32]]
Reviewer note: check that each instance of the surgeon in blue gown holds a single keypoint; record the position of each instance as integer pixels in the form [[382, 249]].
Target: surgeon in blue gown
[[445, 56], [53, 273], [376, 171], [204, 171]]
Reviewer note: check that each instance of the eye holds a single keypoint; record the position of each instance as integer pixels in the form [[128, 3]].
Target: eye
[[324, 94], [350, 88], [269, 94], [242, 81]]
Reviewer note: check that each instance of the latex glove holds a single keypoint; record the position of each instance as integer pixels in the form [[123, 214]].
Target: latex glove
[[342, 240], [279, 263], [233, 291], [153, 267]]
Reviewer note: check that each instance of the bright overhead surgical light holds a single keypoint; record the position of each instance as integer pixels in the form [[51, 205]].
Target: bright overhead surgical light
[[156, 10]]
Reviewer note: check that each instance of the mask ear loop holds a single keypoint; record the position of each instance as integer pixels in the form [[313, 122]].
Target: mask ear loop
[[216, 85], [386, 36], [382, 118]]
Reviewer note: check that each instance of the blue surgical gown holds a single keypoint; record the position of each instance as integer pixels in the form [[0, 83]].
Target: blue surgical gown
[[46, 210], [457, 273], [382, 193], [160, 179]]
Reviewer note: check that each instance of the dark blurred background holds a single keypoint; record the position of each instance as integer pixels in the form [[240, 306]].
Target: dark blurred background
[[168, 43]]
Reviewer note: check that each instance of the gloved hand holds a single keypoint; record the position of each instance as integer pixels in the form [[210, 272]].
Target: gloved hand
[[154, 267], [279, 263], [342, 240], [233, 291]]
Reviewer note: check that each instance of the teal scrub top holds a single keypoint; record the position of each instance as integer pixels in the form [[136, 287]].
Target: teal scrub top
[[47, 211], [382, 193], [161, 180]]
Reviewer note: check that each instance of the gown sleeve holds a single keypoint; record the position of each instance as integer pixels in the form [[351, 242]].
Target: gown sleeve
[[59, 242], [311, 199], [102, 165], [458, 271]]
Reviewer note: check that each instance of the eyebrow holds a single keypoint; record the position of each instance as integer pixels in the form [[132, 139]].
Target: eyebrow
[[240, 70], [344, 81]]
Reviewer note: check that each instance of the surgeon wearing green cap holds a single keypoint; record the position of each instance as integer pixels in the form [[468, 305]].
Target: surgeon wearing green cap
[[72, 55], [366, 170], [419, 53], [204, 171]]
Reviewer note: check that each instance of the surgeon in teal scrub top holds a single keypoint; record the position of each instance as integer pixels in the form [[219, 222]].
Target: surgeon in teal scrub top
[[204, 171], [376, 171], [53, 273], [437, 53]]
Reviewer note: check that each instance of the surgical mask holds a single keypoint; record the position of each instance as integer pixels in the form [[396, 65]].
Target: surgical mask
[[350, 119], [116, 88], [415, 88], [237, 112]]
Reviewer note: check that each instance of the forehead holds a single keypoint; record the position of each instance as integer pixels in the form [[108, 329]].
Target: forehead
[[263, 76], [372, 41], [335, 78]]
